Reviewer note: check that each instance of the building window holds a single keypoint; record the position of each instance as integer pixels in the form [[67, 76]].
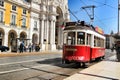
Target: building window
[[13, 7], [35, 25], [24, 22], [1, 16], [13, 21], [2, 3], [27, 0], [24, 11]]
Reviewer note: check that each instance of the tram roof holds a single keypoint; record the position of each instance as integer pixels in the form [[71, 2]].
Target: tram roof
[[80, 26]]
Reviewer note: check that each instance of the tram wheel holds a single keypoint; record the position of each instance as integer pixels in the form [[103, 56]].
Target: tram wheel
[[98, 59], [82, 64], [103, 57], [62, 61]]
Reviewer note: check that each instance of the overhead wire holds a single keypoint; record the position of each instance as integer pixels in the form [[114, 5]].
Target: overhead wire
[[103, 19], [99, 3], [91, 16], [102, 4], [73, 14], [105, 4]]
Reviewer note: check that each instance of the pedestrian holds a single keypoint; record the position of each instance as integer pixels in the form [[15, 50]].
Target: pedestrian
[[37, 47], [30, 47], [33, 47], [21, 47], [118, 51]]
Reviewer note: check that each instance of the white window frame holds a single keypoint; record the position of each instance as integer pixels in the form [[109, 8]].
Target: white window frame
[[25, 11], [13, 20], [24, 21], [1, 3], [35, 23], [2, 18], [13, 9]]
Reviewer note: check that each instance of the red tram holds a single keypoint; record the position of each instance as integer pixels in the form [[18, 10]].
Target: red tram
[[82, 43]]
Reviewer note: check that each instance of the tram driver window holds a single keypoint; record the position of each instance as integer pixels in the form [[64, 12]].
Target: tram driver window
[[71, 38], [80, 38]]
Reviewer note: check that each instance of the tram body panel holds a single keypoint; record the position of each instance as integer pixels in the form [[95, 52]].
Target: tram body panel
[[97, 52], [82, 43], [77, 53]]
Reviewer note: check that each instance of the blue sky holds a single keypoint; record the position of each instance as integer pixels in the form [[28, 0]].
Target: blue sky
[[105, 13]]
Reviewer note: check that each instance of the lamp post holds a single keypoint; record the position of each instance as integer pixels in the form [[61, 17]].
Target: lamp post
[[118, 16]]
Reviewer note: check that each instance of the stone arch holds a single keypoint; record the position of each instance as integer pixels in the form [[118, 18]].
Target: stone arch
[[58, 30], [11, 35], [2, 33], [35, 38], [23, 37]]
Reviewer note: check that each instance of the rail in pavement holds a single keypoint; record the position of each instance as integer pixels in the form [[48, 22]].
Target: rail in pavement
[[104, 70]]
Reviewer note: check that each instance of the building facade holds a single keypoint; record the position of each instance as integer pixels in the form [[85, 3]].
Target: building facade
[[33, 21], [110, 41]]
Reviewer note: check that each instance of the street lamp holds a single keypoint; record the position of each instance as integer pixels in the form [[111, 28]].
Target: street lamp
[[118, 16]]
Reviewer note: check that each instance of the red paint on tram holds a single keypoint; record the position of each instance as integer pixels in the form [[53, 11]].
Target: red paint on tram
[[97, 52], [82, 53], [77, 53], [82, 43]]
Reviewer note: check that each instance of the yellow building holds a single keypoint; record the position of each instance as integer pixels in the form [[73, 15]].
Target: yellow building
[[33, 21], [14, 21]]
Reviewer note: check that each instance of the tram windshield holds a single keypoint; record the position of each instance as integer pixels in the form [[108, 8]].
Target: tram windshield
[[71, 38], [80, 38]]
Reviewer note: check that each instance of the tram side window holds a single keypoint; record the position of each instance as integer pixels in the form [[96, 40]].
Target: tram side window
[[80, 38], [71, 38], [95, 41], [102, 43], [65, 38], [88, 39], [98, 42]]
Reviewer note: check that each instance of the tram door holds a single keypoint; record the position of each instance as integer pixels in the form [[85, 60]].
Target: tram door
[[0, 41]]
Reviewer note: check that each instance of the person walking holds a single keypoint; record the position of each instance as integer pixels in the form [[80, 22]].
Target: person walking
[[117, 45], [21, 47], [30, 47]]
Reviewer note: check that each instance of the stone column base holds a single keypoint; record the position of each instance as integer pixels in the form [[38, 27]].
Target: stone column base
[[42, 47], [52, 47]]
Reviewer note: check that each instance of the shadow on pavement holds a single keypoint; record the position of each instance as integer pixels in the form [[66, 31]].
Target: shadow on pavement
[[58, 62]]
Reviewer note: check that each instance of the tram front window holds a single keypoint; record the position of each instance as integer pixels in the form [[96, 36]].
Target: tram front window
[[81, 38], [71, 38]]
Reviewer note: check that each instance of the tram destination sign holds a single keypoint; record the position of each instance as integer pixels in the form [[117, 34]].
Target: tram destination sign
[[71, 23]]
